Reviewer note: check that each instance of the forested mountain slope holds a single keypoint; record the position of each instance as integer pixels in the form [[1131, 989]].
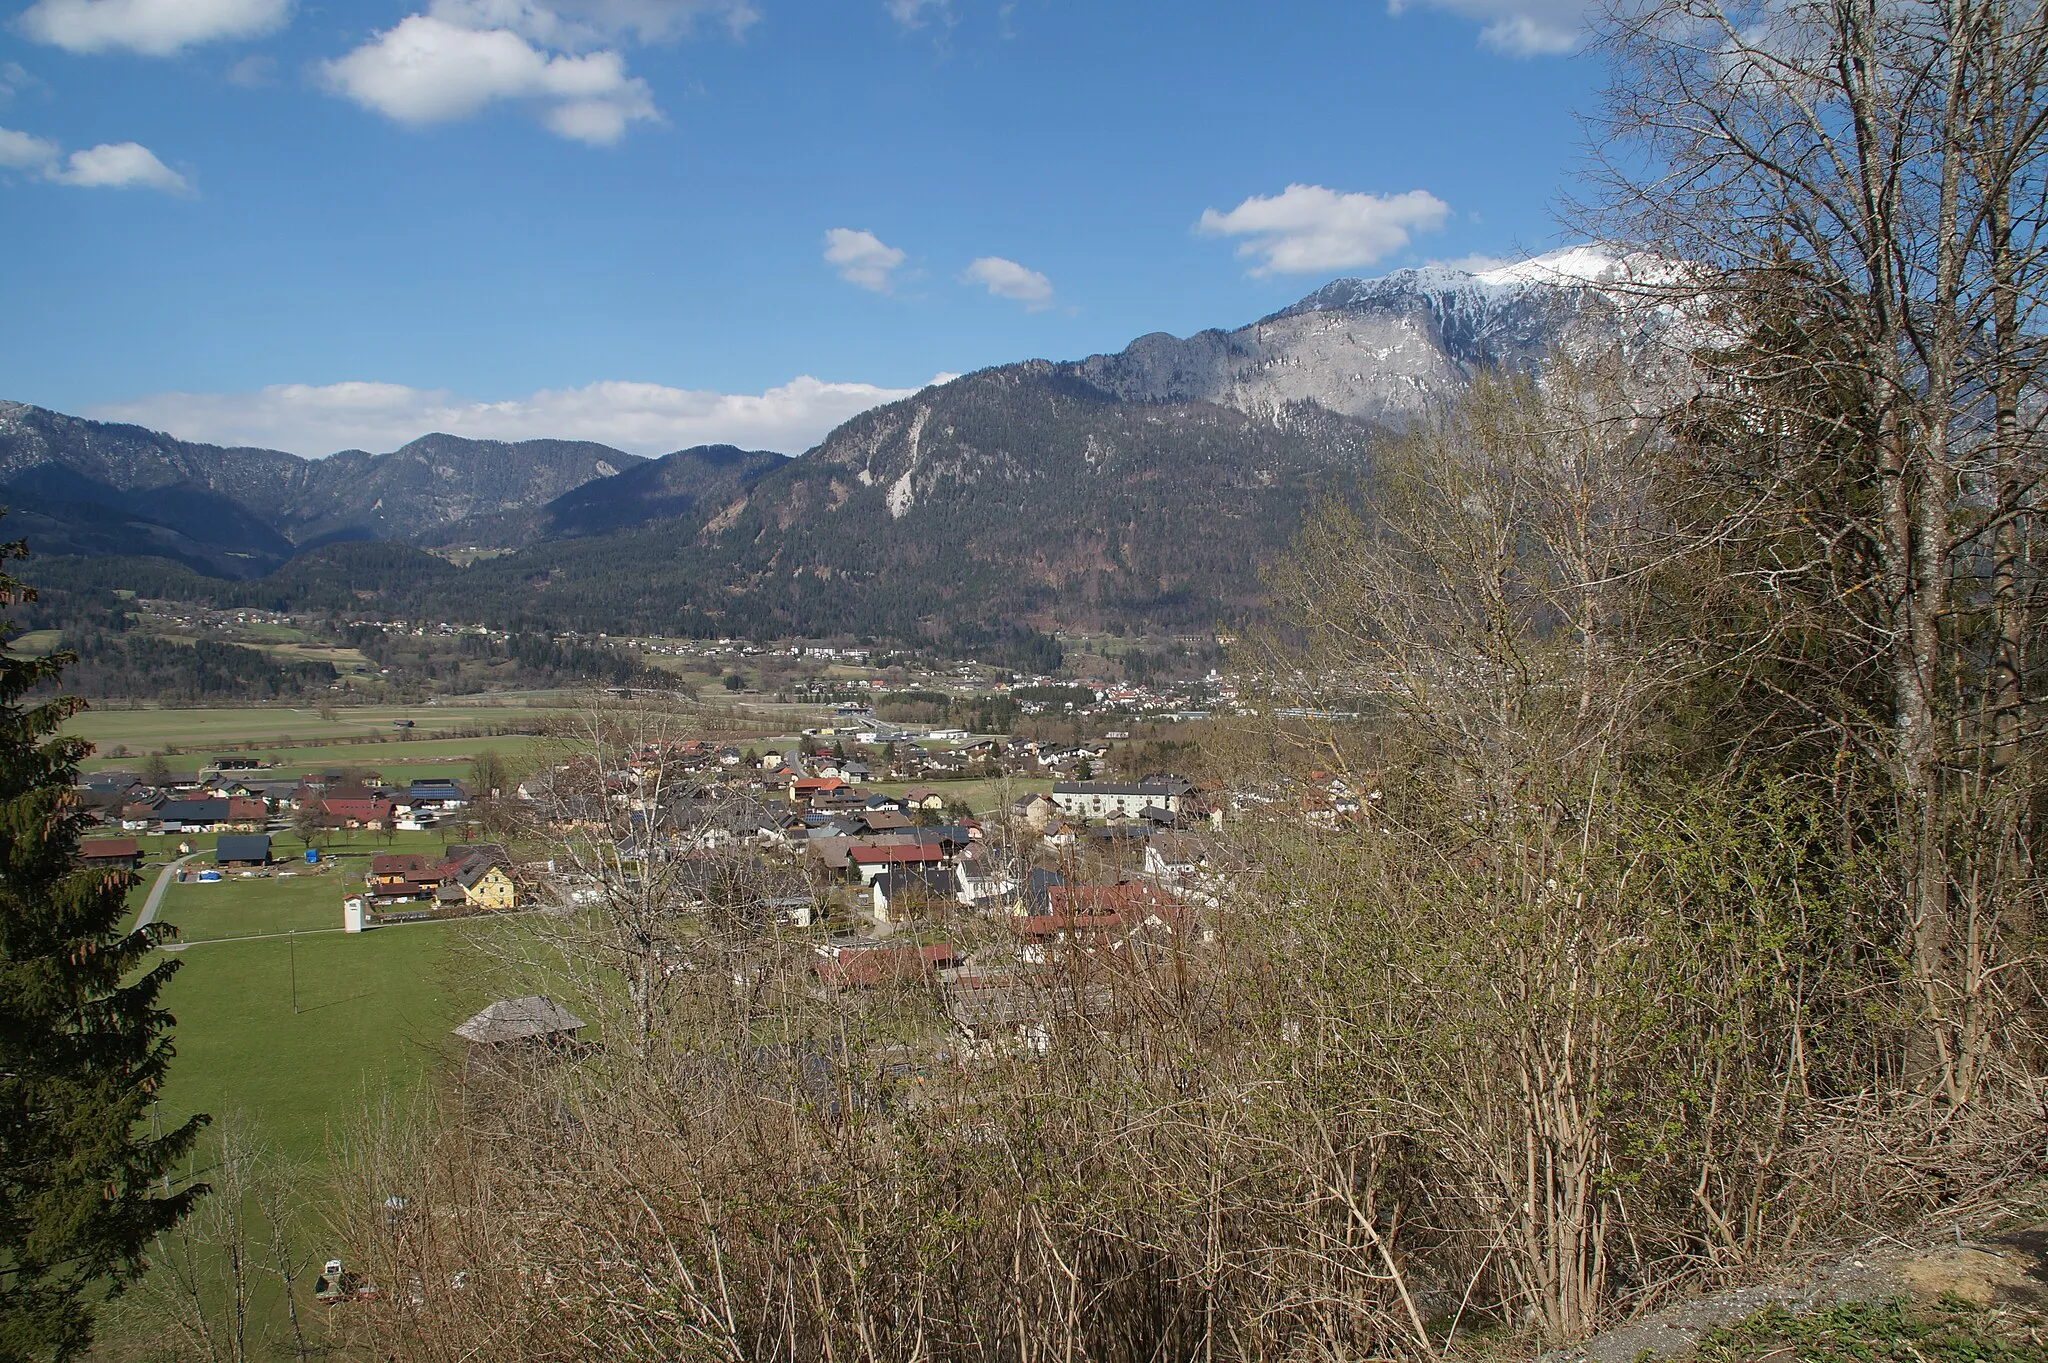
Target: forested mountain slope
[[246, 509]]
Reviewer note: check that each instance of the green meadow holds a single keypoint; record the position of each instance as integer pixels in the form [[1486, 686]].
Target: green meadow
[[373, 1009], [372, 1018]]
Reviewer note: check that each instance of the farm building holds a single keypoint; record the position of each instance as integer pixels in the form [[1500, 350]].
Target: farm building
[[242, 850], [111, 854], [535, 1019]]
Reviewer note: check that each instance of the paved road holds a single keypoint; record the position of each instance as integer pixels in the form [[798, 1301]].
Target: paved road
[[156, 892], [319, 932]]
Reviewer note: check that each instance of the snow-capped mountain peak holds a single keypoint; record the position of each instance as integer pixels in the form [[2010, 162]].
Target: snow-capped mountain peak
[[1385, 349]]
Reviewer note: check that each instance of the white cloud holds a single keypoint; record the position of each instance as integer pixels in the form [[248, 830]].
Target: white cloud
[[119, 165], [154, 28], [20, 151], [861, 258], [574, 25], [15, 80], [643, 418], [1476, 263], [1007, 279], [430, 70], [1520, 28], [253, 72], [1307, 229], [562, 57], [110, 165], [912, 13]]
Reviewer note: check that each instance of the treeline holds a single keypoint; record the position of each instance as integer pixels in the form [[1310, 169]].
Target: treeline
[[335, 578], [469, 661], [1054, 696], [1171, 662], [144, 666], [976, 714], [1019, 648]]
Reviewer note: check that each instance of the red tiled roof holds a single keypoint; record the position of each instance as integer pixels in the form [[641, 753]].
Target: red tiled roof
[[351, 808], [866, 967], [1123, 897], [108, 848], [1101, 908]]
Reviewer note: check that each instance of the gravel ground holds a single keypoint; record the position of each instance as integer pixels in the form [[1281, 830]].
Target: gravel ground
[[2006, 1269]]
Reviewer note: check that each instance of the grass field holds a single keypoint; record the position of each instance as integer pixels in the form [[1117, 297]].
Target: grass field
[[292, 741], [148, 729], [374, 1008], [374, 1013], [35, 643], [306, 901]]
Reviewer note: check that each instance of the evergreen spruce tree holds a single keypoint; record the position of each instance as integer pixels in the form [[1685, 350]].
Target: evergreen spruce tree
[[83, 1044]]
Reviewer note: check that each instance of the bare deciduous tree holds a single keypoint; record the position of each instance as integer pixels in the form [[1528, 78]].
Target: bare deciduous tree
[[1858, 188]]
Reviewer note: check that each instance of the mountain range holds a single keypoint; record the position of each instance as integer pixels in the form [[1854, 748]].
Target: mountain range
[[1141, 488]]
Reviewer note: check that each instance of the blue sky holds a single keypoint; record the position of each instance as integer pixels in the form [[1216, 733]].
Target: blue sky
[[656, 222]]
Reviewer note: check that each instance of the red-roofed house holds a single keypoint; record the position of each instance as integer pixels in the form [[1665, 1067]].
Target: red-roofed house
[[808, 787], [357, 811], [1096, 913], [872, 861]]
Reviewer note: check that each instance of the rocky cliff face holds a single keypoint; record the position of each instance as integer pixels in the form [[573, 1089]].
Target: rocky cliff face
[[1384, 350]]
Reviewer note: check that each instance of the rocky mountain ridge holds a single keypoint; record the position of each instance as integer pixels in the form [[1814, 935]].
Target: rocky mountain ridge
[[1141, 487], [241, 508]]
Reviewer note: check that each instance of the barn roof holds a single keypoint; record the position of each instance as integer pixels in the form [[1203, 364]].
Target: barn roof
[[520, 1020], [246, 847]]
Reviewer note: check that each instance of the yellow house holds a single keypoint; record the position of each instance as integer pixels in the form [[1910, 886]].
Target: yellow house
[[488, 887]]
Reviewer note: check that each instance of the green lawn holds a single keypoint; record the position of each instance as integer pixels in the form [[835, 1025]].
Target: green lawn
[[36, 642], [374, 1013], [293, 896], [374, 1007], [394, 761], [306, 900]]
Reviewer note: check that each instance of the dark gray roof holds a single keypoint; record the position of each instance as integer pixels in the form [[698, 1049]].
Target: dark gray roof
[[242, 847], [913, 880], [473, 870], [192, 811], [1038, 885], [1112, 788]]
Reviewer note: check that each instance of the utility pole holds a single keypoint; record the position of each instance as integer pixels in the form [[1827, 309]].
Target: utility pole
[[292, 944]]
